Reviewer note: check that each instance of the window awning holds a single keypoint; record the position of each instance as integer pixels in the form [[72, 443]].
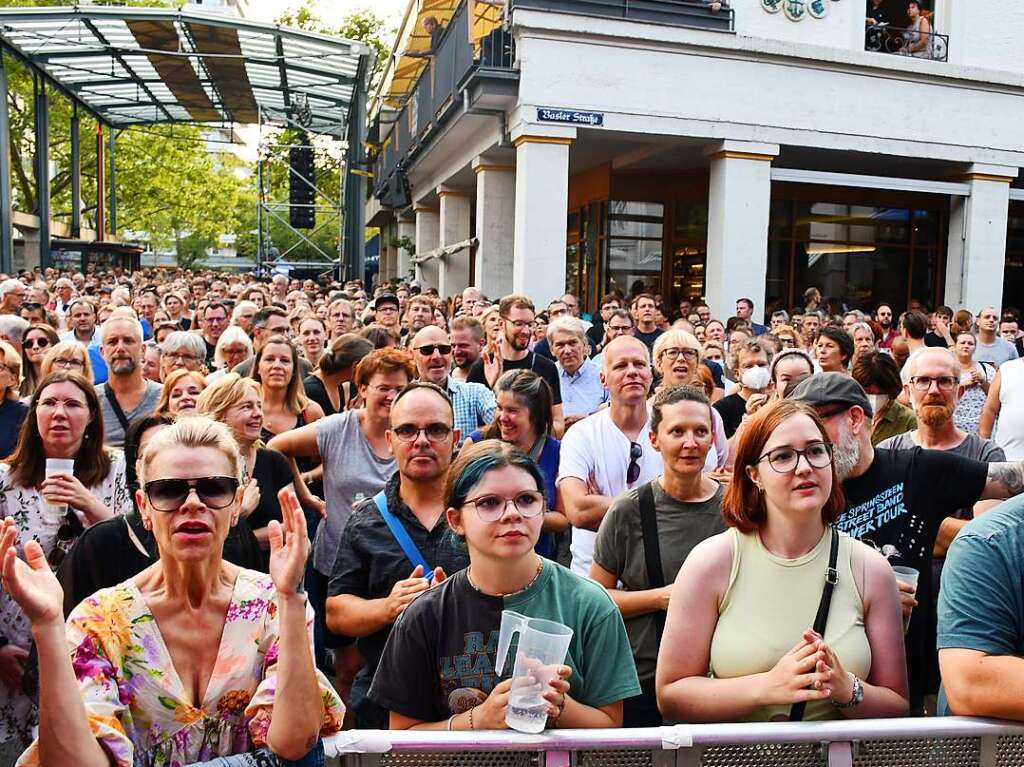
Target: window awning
[[138, 66]]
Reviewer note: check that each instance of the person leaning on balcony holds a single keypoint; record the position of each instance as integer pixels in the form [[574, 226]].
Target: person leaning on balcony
[[918, 37], [782, 501], [435, 30]]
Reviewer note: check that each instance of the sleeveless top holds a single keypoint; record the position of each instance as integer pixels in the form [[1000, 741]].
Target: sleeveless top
[[1009, 433], [771, 601]]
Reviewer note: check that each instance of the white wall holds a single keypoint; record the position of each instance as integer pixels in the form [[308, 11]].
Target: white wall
[[842, 24]]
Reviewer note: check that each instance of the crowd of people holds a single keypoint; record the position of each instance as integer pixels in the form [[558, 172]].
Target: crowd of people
[[242, 513]]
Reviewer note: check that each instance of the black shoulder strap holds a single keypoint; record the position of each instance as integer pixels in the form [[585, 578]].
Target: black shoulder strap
[[652, 549], [796, 713], [116, 407]]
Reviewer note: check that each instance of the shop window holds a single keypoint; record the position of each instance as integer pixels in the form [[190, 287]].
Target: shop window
[[1013, 276], [634, 247]]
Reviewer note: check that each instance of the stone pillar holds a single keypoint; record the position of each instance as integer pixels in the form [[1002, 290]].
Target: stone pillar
[[495, 226], [976, 252], [739, 200], [428, 234], [456, 209], [542, 204], [406, 230]]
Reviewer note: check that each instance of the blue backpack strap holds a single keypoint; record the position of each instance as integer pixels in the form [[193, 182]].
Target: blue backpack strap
[[401, 534]]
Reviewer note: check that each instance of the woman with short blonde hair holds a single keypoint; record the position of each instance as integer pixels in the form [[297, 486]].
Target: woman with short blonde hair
[[70, 356]]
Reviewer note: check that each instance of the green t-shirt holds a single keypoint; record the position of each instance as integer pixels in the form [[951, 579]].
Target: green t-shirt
[[440, 657], [619, 549]]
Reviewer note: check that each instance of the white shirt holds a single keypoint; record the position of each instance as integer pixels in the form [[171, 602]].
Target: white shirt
[[595, 448]]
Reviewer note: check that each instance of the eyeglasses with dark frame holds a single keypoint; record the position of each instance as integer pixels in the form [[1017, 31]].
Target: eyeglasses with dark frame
[[491, 508], [436, 432], [673, 352], [924, 383], [170, 494], [636, 450], [785, 459]]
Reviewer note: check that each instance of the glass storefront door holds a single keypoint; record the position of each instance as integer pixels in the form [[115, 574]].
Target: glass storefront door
[[634, 243]]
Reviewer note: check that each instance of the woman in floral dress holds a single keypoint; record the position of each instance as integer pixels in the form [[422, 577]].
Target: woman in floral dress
[[193, 658], [63, 421]]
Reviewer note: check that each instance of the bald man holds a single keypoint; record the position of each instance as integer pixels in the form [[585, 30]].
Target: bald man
[[473, 403], [608, 452]]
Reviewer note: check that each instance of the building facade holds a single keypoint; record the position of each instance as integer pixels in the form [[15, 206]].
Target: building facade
[[751, 151]]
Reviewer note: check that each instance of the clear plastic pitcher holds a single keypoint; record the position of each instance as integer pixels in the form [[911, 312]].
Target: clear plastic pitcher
[[542, 647]]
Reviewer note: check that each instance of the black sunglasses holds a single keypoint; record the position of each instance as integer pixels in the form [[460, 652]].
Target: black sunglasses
[[171, 494], [427, 350], [633, 470], [32, 343], [71, 527]]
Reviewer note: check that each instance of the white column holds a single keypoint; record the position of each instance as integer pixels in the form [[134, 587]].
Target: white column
[[428, 234], [406, 230], [495, 226], [542, 203], [456, 208], [976, 252], [739, 199]]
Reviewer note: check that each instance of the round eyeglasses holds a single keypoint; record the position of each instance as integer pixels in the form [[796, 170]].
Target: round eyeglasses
[[491, 508], [785, 459]]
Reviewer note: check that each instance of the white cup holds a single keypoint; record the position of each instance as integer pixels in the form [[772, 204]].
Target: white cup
[[909, 577], [55, 512]]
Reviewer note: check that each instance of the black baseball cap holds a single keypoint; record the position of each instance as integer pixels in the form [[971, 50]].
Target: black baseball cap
[[823, 389], [386, 298]]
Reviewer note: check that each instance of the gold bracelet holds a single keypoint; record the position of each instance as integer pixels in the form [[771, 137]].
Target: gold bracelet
[[471, 719]]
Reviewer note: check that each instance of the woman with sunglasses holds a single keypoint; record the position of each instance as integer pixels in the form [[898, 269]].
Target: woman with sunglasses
[[12, 409], [428, 678], [63, 421], [180, 663], [677, 359], [237, 402], [68, 356], [522, 417], [780, 507], [37, 341]]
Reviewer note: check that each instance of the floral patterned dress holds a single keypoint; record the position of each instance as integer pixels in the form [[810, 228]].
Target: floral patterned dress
[[26, 505], [137, 706]]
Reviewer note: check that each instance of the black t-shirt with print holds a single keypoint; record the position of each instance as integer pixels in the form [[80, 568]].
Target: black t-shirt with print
[[897, 506], [542, 366], [440, 658]]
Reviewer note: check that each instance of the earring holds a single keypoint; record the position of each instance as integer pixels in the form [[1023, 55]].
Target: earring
[[146, 524]]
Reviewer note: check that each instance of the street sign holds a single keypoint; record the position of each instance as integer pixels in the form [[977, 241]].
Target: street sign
[[570, 117]]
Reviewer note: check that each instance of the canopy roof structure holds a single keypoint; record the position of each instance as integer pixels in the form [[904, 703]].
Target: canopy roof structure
[[403, 71], [139, 66]]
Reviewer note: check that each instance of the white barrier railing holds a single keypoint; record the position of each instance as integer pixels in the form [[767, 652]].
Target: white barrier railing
[[932, 742]]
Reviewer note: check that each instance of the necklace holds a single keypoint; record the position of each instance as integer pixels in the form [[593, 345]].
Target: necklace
[[536, 575]]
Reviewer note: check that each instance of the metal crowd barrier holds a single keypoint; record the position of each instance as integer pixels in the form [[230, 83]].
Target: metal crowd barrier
[[934, 742]]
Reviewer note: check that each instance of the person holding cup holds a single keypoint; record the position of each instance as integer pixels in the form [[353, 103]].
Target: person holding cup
[[63, 423], [434, 675]]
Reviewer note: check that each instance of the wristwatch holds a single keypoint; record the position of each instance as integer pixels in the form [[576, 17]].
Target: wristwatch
[[858, 695]]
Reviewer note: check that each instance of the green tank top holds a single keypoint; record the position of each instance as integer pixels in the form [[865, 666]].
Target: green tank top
[[769, 603]]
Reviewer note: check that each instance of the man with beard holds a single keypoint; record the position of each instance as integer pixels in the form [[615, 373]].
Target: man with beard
[[126, 395], [374, 576], [419, 313], [883, 316], [473, 403], [467, 343], [898, 500], [513, 353]]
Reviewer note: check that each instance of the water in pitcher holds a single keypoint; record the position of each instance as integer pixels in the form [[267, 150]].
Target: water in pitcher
[[527, 712]]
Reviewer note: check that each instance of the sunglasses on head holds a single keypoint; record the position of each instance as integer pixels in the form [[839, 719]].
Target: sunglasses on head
[[171, 494]]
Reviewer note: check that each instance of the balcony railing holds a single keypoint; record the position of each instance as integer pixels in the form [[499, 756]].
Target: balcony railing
[[684, 13], [437, 94], [885, 38]]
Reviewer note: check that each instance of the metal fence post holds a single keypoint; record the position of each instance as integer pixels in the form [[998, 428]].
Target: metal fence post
[[557, 759], [840, 754]]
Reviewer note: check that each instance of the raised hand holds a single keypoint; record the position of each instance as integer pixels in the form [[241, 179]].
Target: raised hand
[[250, 497], [492, 363], [289, 544], [30, 583]]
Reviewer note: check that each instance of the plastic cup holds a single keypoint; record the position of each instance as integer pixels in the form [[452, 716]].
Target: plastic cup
[[909, 577], [542, 648], [55, 512]]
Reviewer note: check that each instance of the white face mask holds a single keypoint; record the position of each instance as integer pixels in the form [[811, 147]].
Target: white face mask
[[756, 378], [878, 402]]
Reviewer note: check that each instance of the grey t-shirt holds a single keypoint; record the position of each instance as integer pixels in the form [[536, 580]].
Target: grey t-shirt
[[352, 472], [997, 352], [619, 549], [112, 430], [975, 447]]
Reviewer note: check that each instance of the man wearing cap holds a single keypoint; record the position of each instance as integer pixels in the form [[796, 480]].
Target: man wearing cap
[[899, 500], [385, 312]]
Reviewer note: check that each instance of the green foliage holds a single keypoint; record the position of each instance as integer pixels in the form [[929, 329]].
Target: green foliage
[[191, 251]]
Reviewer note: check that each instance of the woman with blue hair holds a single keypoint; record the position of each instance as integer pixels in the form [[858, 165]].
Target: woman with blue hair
[[439, 667]]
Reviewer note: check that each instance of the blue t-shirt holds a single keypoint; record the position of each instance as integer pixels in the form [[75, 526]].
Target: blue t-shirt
[[981, 603]]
